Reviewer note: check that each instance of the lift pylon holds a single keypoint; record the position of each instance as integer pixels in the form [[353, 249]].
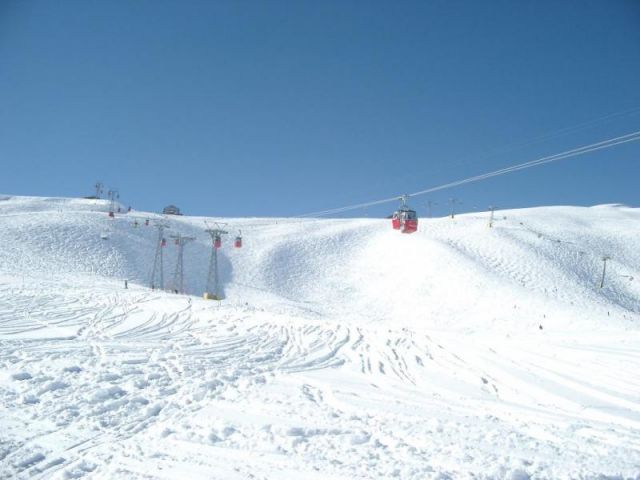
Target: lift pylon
[[213, 291], [178, 275], [157, 274]]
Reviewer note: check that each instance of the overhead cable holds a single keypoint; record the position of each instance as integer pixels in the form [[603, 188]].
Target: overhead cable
[[604, 144]]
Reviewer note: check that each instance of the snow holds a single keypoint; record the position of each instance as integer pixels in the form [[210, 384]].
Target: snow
[[343, 349]]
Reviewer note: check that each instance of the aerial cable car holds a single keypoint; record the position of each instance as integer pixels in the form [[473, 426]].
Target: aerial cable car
[[238, 241], [404, 219], [395, 220], [217, 241], [409, 221]]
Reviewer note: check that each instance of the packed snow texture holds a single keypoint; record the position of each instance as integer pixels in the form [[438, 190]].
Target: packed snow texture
[[343, 349]]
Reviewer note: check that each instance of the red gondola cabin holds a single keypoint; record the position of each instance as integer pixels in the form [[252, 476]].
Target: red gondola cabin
[[395, 220], [404, 219], [408, 221]]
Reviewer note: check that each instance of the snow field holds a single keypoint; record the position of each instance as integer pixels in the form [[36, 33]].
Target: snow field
[[343, 349]]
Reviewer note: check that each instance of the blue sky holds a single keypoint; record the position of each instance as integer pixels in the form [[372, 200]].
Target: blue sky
[[243, 108]]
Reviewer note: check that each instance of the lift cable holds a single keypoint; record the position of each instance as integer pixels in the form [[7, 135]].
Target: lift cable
[[630, 137]]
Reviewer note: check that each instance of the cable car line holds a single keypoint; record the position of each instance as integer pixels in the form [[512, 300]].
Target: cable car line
[[567, 130], [515, 146], [604, 144]]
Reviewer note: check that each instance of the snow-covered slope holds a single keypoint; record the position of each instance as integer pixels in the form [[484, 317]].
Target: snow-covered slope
[[343, 349]]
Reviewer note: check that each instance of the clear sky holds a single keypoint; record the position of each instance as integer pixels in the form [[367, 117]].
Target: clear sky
[[252, 108]]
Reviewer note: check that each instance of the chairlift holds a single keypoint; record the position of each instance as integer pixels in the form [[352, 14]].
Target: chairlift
[[404, 219]]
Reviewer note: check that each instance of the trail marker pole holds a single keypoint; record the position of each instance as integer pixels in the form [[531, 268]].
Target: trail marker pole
[[452, 204], [491, 217], [604, 269]]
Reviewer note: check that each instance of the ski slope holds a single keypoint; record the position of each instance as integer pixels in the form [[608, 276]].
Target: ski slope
[[343, 349]]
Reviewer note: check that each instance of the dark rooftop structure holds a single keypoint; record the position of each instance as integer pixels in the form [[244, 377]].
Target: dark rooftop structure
[[171, 210]]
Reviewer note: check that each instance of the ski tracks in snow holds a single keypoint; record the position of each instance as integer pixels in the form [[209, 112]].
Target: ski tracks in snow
[[144, 368]]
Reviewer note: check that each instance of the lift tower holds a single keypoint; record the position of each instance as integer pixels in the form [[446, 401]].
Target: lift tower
[[99, 189], [157, 274], [178, 275], [113, 196], [213, 291]]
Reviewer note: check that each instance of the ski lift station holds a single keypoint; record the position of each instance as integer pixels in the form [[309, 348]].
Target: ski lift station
[[171, 210]]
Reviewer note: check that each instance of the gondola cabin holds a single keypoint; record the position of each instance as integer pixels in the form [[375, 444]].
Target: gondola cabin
[[238, 242], [395, 220], [408, 221], [217, 242], [404, 219], [163, 242]]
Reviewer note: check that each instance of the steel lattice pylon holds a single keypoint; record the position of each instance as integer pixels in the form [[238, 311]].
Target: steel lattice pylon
[[113, 196], [213, 291], [178, 275], [157, 274]]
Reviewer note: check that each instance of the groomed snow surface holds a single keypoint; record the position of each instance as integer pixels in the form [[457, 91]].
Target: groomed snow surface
[[343, 350]]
